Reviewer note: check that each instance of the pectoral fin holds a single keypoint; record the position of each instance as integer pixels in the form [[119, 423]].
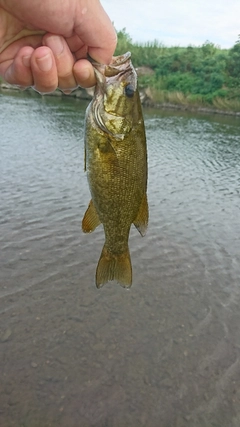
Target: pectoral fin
[[90, 220], [141, 221]]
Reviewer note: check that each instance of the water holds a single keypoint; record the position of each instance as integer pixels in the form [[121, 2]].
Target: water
[[165, 353]]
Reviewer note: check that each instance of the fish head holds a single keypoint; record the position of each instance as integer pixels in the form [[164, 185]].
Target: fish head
[[116, 95]]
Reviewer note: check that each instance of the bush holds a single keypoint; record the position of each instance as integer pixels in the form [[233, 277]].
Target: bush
[[202, 74]]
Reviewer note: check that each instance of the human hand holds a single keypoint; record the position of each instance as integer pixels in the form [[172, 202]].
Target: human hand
[[45, 43]]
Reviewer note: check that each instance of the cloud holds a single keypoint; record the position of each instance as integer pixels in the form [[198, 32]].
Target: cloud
[[177, 22]]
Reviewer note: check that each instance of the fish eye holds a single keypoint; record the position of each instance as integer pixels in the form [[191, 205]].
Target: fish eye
[[129, 90]]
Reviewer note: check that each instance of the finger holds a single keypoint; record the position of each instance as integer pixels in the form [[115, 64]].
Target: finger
[[10, 50], [44, 70], [18, 71], [84, 73], [13, 72], [64, 60], [21, 35], [74, 43], [103, 40]]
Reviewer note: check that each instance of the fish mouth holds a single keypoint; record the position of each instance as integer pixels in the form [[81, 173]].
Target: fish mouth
[[110, 94], [119, 65], [120, 60], [116, 60]]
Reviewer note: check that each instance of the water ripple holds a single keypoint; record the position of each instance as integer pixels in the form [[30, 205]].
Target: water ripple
[[166, 350]]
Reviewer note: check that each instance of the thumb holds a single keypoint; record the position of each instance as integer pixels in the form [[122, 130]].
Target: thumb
[[97, 32]]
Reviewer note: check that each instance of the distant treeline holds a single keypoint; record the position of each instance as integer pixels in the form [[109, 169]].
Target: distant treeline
[[204, 75]]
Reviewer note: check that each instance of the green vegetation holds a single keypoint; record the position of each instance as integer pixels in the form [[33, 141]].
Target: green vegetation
[[192, 76], [203, 76]]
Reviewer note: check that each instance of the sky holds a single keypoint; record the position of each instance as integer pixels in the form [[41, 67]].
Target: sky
[[177, 22]]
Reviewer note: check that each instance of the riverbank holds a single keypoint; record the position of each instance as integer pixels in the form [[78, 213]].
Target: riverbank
[[146, 98]]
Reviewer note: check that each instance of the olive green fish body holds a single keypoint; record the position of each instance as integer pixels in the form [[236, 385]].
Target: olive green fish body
[[116, 163]]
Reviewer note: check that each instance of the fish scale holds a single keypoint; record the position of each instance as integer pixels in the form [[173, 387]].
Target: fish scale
[[116, 165]]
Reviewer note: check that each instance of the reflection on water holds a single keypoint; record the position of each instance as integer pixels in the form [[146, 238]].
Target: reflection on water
[[167, 352]]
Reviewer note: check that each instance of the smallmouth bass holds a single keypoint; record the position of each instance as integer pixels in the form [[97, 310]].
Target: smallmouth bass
[[116, 165]]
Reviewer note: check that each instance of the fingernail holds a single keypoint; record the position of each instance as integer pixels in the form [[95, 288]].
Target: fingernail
[[26, 60], [55, 43], [67, 91], [45, 63], [8, 75], [22, 88]]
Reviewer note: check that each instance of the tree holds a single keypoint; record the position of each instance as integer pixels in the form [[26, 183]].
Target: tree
[[124, 42], [234, 60]]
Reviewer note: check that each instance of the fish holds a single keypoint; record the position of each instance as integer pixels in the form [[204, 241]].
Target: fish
[[116, 166]]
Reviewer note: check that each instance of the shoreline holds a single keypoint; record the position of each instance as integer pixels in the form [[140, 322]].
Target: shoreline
[[87, 94]]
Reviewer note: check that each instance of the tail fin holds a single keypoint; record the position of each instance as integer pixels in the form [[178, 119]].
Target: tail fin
[[114, 267]]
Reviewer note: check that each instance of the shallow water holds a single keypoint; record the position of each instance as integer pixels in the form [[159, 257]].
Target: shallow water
[[165, 353]]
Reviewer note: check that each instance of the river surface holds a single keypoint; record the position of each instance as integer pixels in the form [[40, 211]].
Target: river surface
[[165, 353]]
